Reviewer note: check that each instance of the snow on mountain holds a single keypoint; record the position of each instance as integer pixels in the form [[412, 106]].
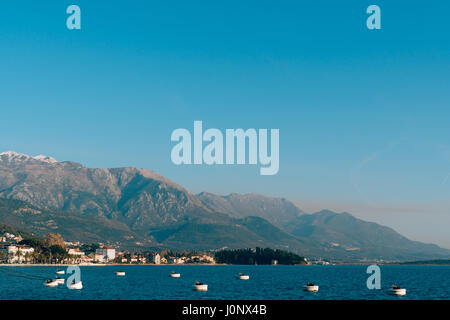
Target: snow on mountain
[[44, 158], [15, 156]]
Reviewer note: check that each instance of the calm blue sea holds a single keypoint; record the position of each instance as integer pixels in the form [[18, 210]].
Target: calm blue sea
[[266, 282]]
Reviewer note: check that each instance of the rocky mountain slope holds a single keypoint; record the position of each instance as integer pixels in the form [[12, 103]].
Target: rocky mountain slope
[[278, 211], [139, 198], [137, 207]]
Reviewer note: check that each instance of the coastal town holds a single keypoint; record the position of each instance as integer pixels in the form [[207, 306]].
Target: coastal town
[[14, 249], [26, 249]]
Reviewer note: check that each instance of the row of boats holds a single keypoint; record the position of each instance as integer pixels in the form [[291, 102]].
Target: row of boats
[[310, 286], [198, 286], [396, 290]]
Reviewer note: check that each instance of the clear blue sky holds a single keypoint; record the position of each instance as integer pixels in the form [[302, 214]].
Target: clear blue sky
[[363, 115]]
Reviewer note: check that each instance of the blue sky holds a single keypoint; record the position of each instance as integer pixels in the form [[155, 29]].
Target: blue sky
[[363, 115]]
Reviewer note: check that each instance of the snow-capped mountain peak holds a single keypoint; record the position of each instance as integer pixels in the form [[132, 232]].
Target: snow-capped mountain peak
[[12, 155], [44, 158]]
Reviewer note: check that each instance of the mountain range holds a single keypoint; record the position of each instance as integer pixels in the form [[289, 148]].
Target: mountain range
[[139, 208]]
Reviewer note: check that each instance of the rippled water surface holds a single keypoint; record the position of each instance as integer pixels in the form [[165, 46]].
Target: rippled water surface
[[266, 282]]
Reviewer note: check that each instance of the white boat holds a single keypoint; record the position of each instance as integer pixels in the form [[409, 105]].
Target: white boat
[[60, 271], [311, 287], [120, 273], [59, 280], [51, 283], [175, 275], [242, 276], [200, 286], [75, 285], [397, 290]]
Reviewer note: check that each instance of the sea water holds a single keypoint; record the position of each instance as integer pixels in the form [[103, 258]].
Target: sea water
[[266, 282]]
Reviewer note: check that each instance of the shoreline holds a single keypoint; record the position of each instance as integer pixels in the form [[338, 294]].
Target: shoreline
[[198, 264], [105, 264], [49, 265]]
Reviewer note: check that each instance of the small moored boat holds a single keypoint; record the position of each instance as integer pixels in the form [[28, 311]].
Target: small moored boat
[[50, 283], [242, 276], [397, 290], [200, 286], [120, 273], [75, 285], [174, 275], [311, 287], [59, 280], [60, 271]]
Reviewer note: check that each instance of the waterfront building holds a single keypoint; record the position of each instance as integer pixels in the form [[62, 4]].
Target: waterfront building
[[156, 258], [108, 253]]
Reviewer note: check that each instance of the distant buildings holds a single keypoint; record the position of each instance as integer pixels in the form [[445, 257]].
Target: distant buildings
[[77, 256], [78, 253], [179, 260], [72, 244], [208, 259], [318, 262], [10, 238], [156, 258], [159, 258], [108, 253], [99, 257], [75, 252], [19, 254]]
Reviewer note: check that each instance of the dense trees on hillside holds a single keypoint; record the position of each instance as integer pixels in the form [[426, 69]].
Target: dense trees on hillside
[[258, 256]]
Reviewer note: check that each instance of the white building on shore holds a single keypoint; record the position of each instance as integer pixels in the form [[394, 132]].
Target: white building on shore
[[109, 254], [75, 252], [19, 254], [156, 258]]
